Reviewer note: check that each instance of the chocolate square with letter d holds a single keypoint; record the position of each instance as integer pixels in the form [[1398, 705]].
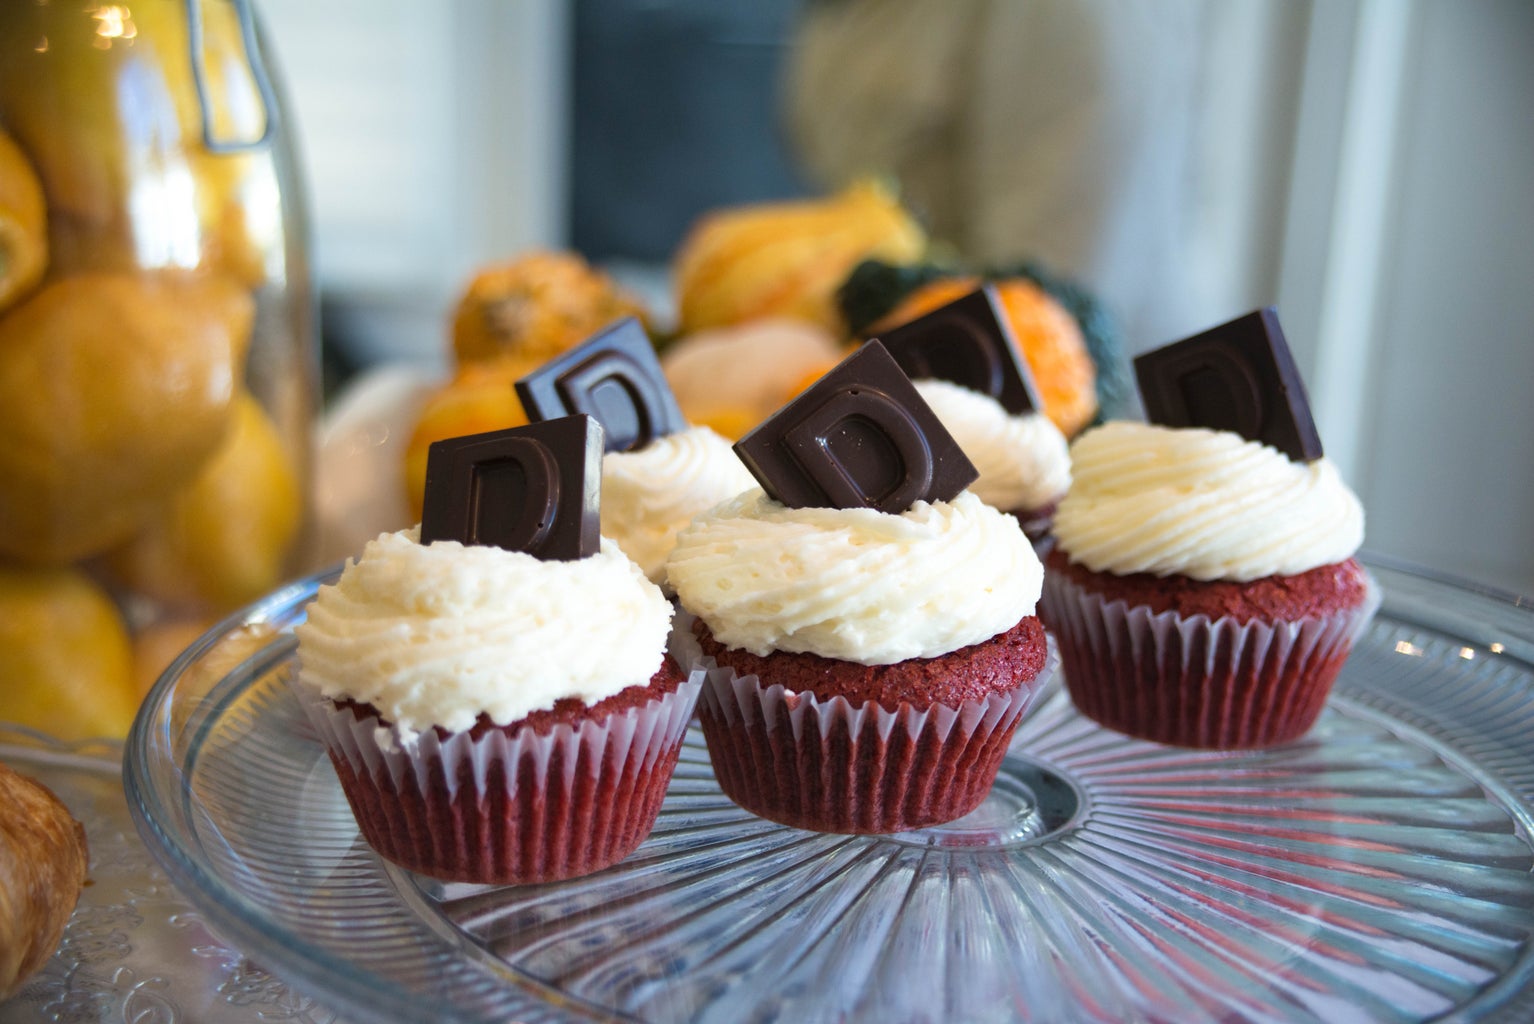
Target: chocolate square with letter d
[[860, 437], [969, 343], [612, 376], [1240, 377], [535, 489]]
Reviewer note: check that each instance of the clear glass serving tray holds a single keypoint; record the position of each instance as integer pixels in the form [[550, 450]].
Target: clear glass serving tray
[[1380, 870]]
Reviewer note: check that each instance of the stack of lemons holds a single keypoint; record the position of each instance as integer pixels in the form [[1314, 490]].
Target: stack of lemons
[[137, 470]]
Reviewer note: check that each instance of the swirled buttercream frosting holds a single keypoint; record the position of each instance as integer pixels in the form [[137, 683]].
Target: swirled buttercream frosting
[[437, 634], [1024, 461], [855, 584], [1205, 504], [649, 494]]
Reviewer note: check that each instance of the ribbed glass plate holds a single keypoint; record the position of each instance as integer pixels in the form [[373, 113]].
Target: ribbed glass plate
[[1380, 870]]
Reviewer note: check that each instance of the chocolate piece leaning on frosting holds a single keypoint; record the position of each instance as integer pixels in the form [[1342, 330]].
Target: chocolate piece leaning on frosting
[[535, 489], [614, 377], [1239, 377], [967, 342], [860, 437]]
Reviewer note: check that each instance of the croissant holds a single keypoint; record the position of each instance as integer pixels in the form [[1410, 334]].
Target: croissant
[[42, 870]]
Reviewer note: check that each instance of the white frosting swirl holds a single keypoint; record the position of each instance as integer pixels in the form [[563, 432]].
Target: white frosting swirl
[[651, 493], [1201, 503], [437, 634], [855, 584], [1024, 461]]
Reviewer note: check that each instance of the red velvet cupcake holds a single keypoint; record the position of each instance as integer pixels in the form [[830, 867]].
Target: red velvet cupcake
[[493, 717], [1023, 460], [868, 622], [1203, 589], [867, 669]]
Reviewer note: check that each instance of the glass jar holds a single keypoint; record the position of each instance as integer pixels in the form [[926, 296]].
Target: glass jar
[[158, 360]]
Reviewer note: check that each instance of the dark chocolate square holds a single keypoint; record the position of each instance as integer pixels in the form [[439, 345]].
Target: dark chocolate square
[[860, 437], [613, 376], [1239, 376], [535, 489], [967, 342]]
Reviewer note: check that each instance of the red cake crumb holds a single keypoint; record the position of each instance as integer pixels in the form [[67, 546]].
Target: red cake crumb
[[1320, 591], [970, 673]]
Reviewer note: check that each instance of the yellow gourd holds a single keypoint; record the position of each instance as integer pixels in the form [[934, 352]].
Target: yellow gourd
[[535, 307], [480, 397], [787, 259]]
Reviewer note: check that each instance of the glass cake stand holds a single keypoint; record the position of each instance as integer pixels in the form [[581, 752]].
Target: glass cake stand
[[1380, 870]]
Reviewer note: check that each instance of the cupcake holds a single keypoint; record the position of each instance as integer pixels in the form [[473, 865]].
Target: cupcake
[[966, 367], [651, 492], [498, 715], [1024, 461], [1203, 587], [870, 655], [658, 471]]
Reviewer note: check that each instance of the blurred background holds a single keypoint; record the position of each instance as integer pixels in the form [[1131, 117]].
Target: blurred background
[[1361, 164]]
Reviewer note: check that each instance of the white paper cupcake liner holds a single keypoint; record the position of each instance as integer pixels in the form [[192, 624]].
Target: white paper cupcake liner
[[1193, 681], [832, 766], [507, 805]]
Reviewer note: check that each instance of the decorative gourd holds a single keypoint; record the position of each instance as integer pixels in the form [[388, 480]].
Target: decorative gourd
[[1048, 336], [535, 307], [786, 259], [879, 294]]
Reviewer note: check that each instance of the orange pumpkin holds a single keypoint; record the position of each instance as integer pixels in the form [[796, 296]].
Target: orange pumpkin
[[1049, 337]]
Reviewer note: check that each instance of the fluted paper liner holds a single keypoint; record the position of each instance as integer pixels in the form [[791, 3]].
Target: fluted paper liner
[[830, 766], [1196, 682], [507, 806]]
